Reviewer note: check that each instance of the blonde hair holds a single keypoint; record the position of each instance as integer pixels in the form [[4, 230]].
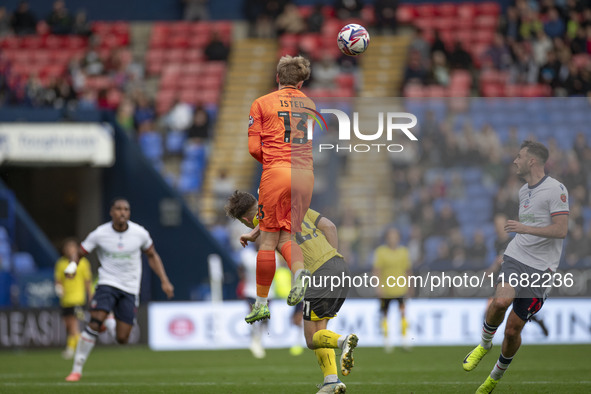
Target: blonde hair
[[292, 70]]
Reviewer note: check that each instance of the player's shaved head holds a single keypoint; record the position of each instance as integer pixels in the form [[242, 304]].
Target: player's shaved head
[[293, 70], [537, 150], [239, 203], [117, 199]]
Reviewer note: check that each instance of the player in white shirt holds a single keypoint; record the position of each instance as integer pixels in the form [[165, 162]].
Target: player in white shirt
[[119, 244], [530, 259]]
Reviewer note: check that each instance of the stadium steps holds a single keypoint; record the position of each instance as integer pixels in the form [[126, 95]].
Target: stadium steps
[[139, 39], [250, 75], [370, 197], [382, 66]]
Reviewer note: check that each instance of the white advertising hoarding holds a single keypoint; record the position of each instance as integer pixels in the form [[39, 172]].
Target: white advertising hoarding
[[64, 143], [198, 325]]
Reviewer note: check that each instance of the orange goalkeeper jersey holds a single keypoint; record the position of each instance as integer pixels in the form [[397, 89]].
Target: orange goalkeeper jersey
[[277, 131]]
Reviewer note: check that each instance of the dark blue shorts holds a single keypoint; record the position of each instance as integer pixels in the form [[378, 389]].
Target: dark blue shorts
[[111, 299], [528, 299]]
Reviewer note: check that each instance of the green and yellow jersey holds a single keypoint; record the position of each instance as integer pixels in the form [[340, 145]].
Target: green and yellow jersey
[[315, 247], [394, 263], [74, 288]]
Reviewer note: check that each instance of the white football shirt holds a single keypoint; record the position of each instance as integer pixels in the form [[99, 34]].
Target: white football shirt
[[537, 205], [120, 255]]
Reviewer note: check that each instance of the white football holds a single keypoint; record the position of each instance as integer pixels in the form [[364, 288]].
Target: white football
[[353, 39]]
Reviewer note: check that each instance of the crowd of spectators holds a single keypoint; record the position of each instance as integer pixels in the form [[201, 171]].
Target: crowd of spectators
[[545, 42], [431, 194]]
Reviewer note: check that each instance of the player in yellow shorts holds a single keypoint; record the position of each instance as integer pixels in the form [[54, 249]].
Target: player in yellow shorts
[[318, 241], [73, 293], [391, 262]]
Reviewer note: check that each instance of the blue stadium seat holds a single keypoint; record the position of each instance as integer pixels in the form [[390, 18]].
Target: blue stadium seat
[[189, 183], [4, 234], [472, 175], [151, 145], [189, 167], [5, 284], [431, 246], [175, 141], [23, 263], [5, 256]]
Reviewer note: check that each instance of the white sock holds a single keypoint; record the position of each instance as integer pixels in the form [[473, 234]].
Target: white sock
[[488, 332], [341, 340], [500, 367], [83, 349], [261, 301], [111, 324], [330, 378]]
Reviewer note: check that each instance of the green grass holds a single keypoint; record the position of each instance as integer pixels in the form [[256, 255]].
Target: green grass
[[536, 369]]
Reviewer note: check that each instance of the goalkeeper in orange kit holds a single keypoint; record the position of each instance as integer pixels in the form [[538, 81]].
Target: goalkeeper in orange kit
[[277, 137]]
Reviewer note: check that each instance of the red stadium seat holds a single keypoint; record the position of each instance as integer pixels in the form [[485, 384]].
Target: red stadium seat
[[309, 42], [464, 24], [52, 70], [198, 41], [194, 55], [178, 41], [463, 36], [488, 8], [426, 10], [368, 15], [174, 55], [331, 27], [32, 42], [581, 60], [483, 36], [425, 24], [460, 79], [447, 9], [444, 23], [190, 96], [180, 28], [413, 90], [194, 82], [195, 68], [212, 83], [223, 27], [75, 42], [62, 57], [436, 91], [289, 41], [10, 43], [306, 10], [492, 90], [486, 22], [215, 69], [513, 90], [54, 42], [169, 81], [41, 56], [406, 13], [466, 10], [346, 81], [209, 97]]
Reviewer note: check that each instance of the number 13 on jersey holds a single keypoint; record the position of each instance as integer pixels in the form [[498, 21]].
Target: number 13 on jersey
[[301, 126]]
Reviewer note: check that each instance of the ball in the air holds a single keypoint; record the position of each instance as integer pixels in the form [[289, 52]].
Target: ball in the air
[[353, 39]]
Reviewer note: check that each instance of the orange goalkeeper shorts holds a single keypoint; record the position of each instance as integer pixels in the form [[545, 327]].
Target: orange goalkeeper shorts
[[284, 198]]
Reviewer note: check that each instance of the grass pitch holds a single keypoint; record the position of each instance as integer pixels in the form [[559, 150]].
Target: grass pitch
[[536, 369]]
